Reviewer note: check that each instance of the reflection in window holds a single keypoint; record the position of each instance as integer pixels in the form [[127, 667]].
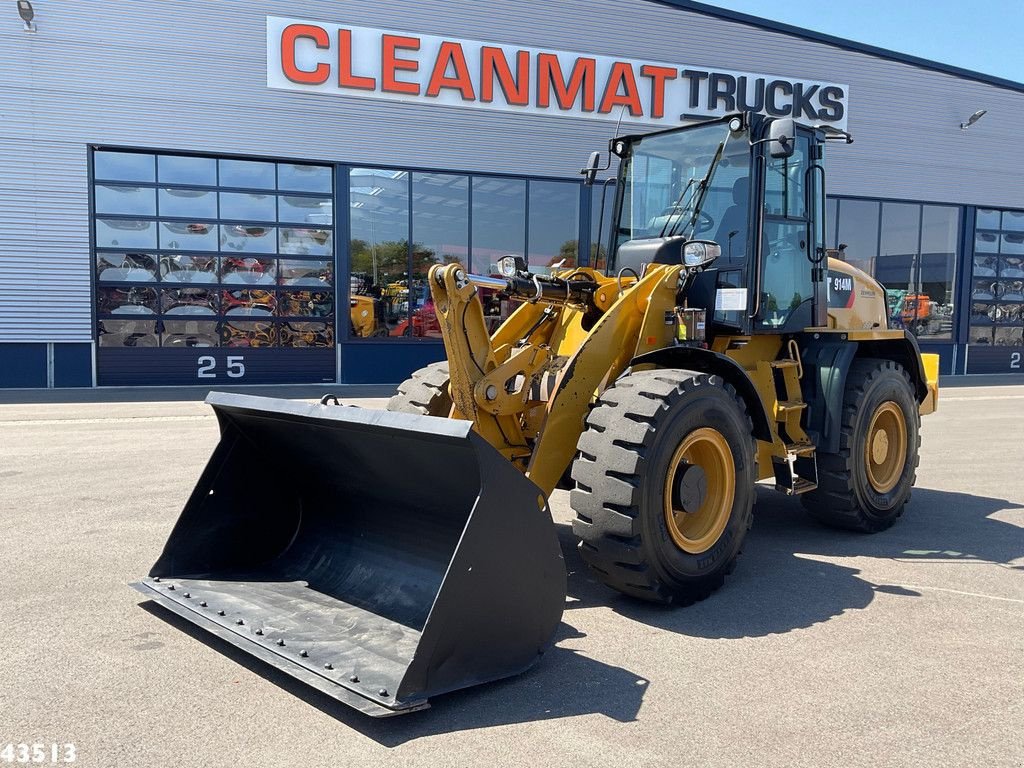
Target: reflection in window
[[250, 174], [188, 203], [188, 269], [601, 223], [498, 221], [174, 169], [379, 249], [248, 238], [188, 236], [311, 273], [123, 166], [306, 241], [125, 267], [239, 333], [125, 233], [129, 201], [248, 206], [298, 334], [997, 290], [554, 224], [306, 304], [189, 333], [304, 178], [127, 333], [858, 231], [249, 301], [126, 301], [306, 210], [240, 270], [188, 301]]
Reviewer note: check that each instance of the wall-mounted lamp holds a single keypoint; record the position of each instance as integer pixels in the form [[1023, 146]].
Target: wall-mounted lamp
[[27, 13], [973, 119]]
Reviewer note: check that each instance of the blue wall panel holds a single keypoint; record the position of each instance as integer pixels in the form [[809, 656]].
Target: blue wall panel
[[72, 365], [22, 365], [127, 366], [367, 362]]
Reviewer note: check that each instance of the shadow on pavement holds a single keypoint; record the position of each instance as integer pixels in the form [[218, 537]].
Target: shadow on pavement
[[779, 584], [778, 587], [187, 394]]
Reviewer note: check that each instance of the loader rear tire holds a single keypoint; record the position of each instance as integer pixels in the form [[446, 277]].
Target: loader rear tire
[[664, 492], [425, 393], [866, 485]]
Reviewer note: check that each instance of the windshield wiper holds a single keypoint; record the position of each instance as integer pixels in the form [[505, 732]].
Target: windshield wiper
[[677, 205], [702, 188]]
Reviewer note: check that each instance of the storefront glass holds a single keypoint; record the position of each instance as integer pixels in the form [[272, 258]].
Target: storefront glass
[[997, 287]]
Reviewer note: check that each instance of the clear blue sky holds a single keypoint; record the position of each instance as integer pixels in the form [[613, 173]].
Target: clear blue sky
[[983, 35]]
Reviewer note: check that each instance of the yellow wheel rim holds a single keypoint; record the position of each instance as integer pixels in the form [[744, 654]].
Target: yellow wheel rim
[[698, 504], [885, 450]]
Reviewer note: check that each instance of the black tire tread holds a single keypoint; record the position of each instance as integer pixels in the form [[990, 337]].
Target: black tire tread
[[834, 502], [424, 393], [608, 471]]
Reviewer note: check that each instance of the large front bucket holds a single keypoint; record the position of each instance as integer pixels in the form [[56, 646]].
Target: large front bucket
[[380, 557]]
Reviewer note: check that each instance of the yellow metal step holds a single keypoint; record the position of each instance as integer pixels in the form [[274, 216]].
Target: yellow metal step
[[785, 406]]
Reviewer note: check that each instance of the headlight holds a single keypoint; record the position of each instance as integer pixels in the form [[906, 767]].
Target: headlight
[[697, 253], [508, 266]]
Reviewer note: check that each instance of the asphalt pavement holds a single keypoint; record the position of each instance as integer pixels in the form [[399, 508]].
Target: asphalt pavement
[[824, 648]]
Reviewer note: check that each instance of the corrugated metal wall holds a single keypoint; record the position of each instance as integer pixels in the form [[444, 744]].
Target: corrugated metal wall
[[184, 75]]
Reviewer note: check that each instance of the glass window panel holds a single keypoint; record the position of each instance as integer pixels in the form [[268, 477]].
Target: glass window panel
[[379, 249], [126, 267], [306, 210], [1011, 290], [440, 229], [1012, 244], [986, 242], [254, 302], [188, 236], [554, 224], [986, 266], [248, 238], [187, 170], [123, 166], [831, 212], [188, 301], [125, 233], [985, 290], [936, 271], [247, 174], [240, 270], [135, 300], [128, 333], [1013, 221], [784, 193], [181, 268], [188, 203], [498, 221], [988, 218], [858, 231], [307, 242], [131, 201], [601, 223], [190, 333], [306, 304], [306, 272], [242, 333], [305, 178], [248, 206], [297, 334], [1009, 266], [980, 334], [1009, 337]]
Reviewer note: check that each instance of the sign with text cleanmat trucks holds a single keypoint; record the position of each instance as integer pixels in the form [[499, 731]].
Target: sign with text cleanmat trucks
[[339, 59]]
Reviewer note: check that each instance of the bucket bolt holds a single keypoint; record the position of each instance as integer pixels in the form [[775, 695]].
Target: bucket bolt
[[220, 613], [171, 587], [259, 631], [383, 691], [353, 678], [281, 642], [187, 594], [240, 622], [303, 654], [202, 603], [328, 665]]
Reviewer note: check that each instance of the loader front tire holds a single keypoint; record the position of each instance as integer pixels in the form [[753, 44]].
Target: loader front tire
[[664, 493], [866, 485], [425, 393]]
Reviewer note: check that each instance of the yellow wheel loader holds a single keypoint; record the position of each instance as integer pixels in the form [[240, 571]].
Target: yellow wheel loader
[[390, 556]]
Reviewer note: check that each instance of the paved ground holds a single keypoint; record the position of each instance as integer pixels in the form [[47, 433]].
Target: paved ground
[[824, 648]]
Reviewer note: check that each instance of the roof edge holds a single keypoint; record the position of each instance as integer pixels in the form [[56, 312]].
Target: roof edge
[[839, 42]]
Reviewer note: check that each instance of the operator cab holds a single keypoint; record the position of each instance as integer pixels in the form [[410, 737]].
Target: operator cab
[[750, 184]]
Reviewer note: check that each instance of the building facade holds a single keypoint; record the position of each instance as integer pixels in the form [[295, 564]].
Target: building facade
[[217, 193]]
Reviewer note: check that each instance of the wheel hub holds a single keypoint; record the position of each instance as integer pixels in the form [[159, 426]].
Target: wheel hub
[[699, 491], [885, 447]]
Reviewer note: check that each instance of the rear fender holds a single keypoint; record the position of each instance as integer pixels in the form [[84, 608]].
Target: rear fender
[[706, 361]]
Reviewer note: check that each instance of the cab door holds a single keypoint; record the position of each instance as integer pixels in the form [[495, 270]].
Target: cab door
[[792, 239]]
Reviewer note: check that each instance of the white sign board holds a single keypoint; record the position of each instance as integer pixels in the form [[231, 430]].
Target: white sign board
[[340, 59]]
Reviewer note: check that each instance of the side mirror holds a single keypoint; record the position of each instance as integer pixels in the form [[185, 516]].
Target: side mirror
[[782, 137], [589, 173]]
